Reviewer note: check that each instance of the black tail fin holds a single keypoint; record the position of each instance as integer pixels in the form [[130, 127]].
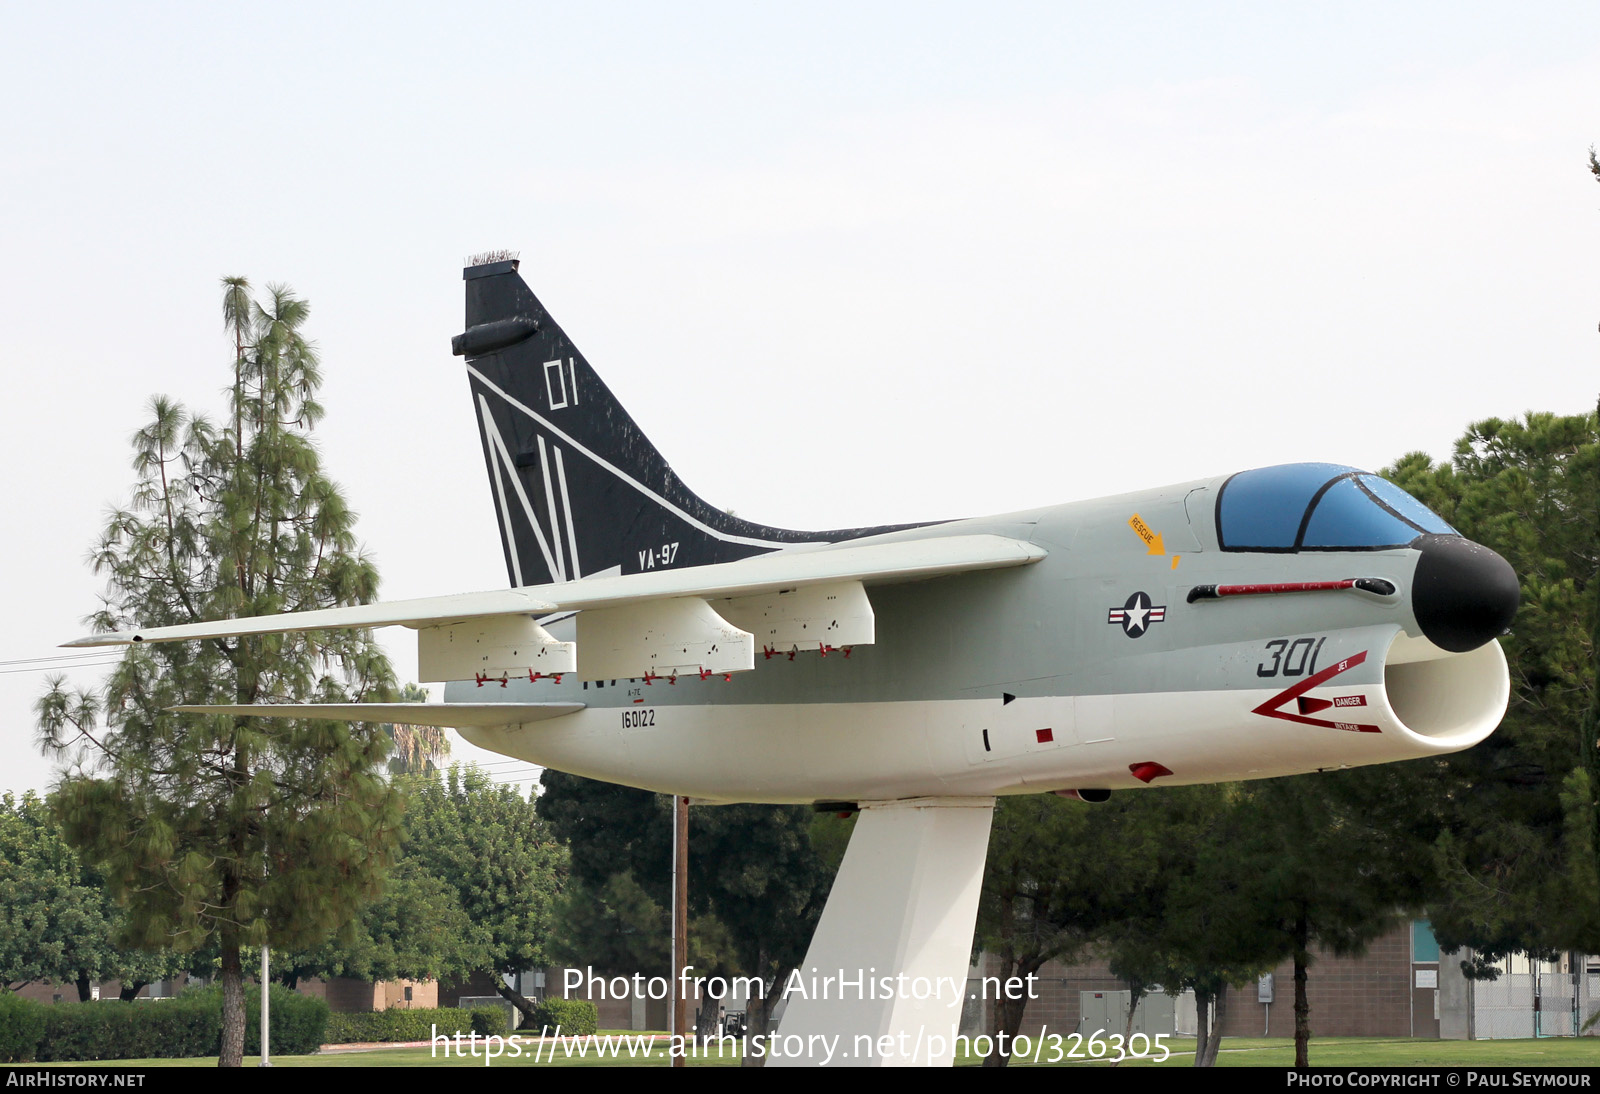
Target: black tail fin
[[579, 488]]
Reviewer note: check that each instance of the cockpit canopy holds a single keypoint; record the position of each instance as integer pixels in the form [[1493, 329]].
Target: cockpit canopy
[[1319, 507]]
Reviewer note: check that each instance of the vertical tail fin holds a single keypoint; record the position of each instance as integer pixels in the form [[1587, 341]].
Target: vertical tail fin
[[579, 488]]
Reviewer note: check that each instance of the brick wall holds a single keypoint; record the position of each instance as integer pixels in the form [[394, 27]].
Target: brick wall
[[1055, 1003], [1349, 996], [448, 994]]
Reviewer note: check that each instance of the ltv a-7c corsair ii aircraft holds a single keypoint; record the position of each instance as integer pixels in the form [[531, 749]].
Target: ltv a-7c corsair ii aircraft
[[1280, 620]]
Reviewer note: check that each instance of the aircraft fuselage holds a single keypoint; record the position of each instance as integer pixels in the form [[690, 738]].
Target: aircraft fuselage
[[1091, 669]]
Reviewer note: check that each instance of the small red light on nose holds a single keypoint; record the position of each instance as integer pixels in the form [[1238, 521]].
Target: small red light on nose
[[1148, 770]]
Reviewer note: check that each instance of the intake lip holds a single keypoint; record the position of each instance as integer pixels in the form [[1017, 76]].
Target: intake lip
[[1463, 594]]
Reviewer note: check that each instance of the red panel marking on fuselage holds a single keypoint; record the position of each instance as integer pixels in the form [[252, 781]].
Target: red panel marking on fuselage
[[1045, 736]]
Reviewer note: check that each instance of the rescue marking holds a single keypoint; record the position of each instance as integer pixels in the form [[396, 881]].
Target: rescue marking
[[1152, 540]]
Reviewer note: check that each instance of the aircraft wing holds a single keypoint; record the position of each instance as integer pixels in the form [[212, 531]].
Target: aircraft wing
[[700, 618], [425, 612]]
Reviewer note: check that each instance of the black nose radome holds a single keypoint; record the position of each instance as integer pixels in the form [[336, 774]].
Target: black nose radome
[[1463, 594]]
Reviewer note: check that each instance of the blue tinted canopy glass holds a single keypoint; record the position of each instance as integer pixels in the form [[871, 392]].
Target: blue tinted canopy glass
[[1318, 506]]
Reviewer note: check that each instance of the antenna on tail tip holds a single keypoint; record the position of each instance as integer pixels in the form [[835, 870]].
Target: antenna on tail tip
[[489, 258]]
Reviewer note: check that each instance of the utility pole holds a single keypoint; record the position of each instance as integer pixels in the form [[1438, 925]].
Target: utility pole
[[680, 924], [266, 1049]]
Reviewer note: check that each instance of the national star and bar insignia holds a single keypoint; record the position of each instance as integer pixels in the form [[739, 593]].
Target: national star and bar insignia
[[1137, 614]]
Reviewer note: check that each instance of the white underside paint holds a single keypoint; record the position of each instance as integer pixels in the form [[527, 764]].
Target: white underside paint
[[879, 751]]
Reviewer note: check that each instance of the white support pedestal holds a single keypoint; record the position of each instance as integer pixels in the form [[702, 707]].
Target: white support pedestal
[[892, 949]]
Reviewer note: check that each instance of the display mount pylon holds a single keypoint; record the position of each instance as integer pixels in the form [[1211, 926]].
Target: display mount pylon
[[885, 976]]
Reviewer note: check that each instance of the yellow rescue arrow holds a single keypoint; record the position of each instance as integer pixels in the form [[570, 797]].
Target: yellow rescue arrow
[[1151, 539]]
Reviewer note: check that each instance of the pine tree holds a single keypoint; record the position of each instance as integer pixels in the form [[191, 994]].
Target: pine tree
[[1058, 875], [1331, 861], [218, 831], [1516, 853]]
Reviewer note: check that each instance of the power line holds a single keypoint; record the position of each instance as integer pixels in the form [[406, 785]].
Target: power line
[[513, 776], [511, 779], [54, 668], [84, 656]]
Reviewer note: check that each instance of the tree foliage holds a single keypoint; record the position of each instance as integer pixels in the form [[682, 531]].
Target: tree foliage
[[1170, 885], [1516, 852], [222, 830], [416, 750], [498, 858], [756, 884], [51, 924], [417, 930], [58, 922], [1329, 861], [1058, 874], [1185, 931], [1204, 888]]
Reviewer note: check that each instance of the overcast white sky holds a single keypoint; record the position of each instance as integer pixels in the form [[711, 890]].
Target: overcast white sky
[[846, 263]]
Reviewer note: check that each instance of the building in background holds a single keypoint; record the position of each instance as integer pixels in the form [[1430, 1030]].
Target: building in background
[[1401, 987]]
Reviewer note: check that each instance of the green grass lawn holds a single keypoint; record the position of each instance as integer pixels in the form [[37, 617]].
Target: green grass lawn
[[1236, 1052]]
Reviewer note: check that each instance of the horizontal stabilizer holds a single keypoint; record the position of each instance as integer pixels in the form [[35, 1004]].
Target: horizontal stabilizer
[[454, 715]]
